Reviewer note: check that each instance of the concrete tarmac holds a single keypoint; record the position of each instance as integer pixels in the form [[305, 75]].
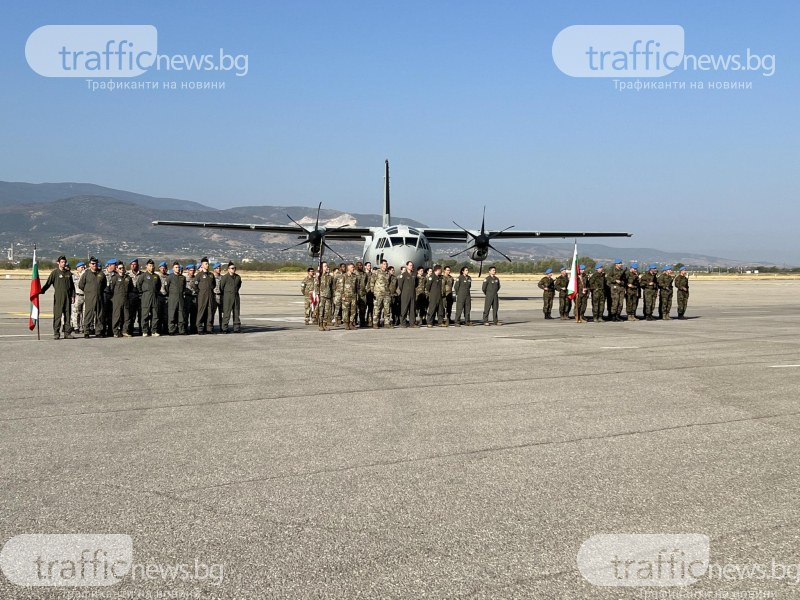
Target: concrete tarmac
[[409, 463]]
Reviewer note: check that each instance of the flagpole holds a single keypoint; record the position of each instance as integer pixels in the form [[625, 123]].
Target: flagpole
[[39, 317]]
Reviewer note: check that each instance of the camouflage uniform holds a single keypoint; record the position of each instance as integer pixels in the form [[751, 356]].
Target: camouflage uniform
[[648, 282], [665, 295], [77, 306], [633, 292], [421, 300], [615, 280], [337, 295], [682, 285], [349, 283], [306, 289], [548, 287], [564, 303], [325, 299], [190, 304], [597, 284], [379, 284], [582, 300]]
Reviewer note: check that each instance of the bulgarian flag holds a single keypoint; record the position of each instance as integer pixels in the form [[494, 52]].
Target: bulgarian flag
[[36, 289], [572, 287]]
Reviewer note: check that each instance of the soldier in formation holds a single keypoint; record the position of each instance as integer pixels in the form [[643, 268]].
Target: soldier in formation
[[491, 290], [682, 286], [548, 287], [60, 279], [462, 290]]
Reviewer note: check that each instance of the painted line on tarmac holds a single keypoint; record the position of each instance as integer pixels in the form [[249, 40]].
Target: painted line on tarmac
[[783, 366], [278, 319], [619, 347]]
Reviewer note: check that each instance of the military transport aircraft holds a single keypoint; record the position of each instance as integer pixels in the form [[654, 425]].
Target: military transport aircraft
[[398, 244]]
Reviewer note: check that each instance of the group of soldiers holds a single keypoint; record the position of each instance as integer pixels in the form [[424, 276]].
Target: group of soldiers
[[112, 302], [357, 296], [617, 288]]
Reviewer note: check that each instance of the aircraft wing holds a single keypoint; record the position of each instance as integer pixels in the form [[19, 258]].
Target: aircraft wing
[[437, 236], [343, 233]]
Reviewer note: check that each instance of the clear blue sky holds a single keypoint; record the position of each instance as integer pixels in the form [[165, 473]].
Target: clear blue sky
[[462, 97]]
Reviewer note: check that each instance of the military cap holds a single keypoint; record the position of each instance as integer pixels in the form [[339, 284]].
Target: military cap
[[62, 257], [652, 266], [582, 266], [634, 265], [618, 261], [683, 268], [562, 268], [598, 266], [230, 263], [163, 263], [217, 266], [667, 268], [548, 271], [134, 260], [189, 266], [80, 264], [93, 259], [150, 261], [111, 261], [204, 259]]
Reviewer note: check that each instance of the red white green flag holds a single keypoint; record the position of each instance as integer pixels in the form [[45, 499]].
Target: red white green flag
[[36, 289], [572, 287]]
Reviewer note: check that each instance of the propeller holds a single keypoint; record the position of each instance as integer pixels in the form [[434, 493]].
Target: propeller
[[481, 243], [315, 238]]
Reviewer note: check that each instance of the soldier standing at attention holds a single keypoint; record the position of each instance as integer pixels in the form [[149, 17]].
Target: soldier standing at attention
[[176, 285], [149, 288], [306, 288], [216, 305], [63, 297], [394, 297], [161, 297], [325, 297], [361, 301], [491, 289], [135, 299], [337, 292], [682, 285], [205, 297], [665, 292], [434, 289], [370, 297], [632, 291], [462, 289], [92, 284], [449, 299], [582, 300], [615, 280], [421, 300], [108, 307], [564, 303], [597, 283], [349, 295], [379, 284], [229, 287], [121, 285], [190, 300], [77, 306], [649, 283], [548, 287], [406, 285]]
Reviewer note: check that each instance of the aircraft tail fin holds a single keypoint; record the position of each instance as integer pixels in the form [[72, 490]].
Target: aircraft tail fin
[[387, 219]]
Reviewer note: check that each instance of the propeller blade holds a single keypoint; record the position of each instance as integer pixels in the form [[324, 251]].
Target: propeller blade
[[295, 246], [468, 232], [319, 208], [480, 270], [483, 221], [325, 245], [496, 233], [296, 223], [500, 253], [467, 249]]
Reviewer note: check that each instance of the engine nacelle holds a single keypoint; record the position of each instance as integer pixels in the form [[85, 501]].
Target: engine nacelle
[[314, 250], [479, 254]]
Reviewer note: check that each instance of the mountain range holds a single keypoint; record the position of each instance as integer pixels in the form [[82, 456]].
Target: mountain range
[[79, 219]]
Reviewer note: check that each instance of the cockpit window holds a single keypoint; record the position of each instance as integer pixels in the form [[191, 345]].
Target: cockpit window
[[397, 240]]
